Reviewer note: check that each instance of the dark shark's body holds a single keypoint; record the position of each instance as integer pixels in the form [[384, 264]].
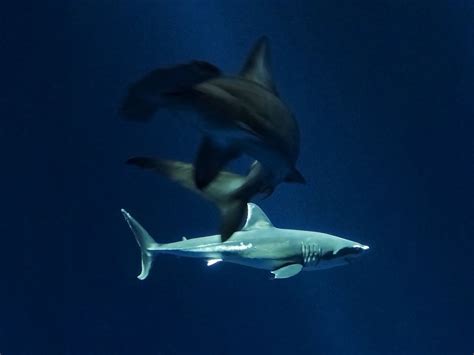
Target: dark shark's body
[[239, 114], [284, 252], [245, 116]]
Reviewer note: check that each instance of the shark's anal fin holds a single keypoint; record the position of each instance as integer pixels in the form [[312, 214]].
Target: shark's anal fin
[[287, 271], [210, 160]]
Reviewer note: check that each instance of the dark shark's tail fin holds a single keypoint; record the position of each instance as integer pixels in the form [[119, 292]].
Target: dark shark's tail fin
[[164, 88], [227, 191], [145, 242]]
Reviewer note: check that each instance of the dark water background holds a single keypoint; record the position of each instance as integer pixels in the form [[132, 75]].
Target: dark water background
[[383, 92]]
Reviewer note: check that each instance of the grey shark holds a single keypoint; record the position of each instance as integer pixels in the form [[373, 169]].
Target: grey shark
[[283, 252], [239, 114]]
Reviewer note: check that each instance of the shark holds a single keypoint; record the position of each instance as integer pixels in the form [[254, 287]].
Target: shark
[[259, 244], [238, 114]]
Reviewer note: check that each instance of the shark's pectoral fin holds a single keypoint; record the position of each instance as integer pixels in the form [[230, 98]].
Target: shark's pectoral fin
[[210, 160], [287, 271]]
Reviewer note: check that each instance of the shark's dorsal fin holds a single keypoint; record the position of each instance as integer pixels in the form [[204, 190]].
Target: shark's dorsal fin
[[256, 218], [257, 67]]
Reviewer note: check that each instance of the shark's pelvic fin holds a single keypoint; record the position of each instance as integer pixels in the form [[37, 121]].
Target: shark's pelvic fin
[[256, 218], [145, 242], [257, 67], [287, 271]]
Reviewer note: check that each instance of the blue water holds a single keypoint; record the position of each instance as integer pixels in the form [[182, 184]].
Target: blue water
[[382, 91]]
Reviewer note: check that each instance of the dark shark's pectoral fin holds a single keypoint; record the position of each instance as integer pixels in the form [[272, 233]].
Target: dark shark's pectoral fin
[[210, 160], [257, 67], [287, 271], [295, 177], [164, 87], [232, 215]]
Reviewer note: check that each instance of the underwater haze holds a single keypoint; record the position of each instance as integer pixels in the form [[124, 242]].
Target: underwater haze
[[383, 95]]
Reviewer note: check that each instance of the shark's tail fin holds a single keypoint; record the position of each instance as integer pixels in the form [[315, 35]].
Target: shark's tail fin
[[145, 242], [163, 88], [227, 191]]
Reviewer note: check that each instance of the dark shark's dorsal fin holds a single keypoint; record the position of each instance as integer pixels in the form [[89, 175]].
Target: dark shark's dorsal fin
[[256, 218], [257, 67]]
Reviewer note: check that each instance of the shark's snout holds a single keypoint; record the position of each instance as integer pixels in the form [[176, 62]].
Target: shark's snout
[[361, 247]]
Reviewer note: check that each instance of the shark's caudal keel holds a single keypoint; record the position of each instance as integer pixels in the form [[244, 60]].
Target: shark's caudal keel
[[284, 252]]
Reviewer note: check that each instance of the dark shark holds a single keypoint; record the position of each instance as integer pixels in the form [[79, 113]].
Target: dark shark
[[240, 114]]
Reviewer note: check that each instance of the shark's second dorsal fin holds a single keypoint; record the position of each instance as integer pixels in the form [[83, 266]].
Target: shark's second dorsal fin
[[256, 218], [257, 67]]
